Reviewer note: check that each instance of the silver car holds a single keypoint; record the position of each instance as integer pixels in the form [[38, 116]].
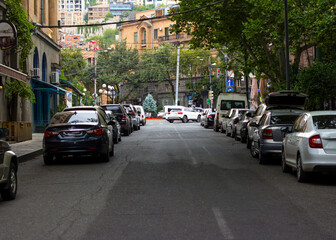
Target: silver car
[[311, 145], [267, 138]]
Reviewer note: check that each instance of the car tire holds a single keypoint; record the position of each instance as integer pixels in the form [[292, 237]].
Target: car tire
[[227, 132], [106, 156], [119, 139], [261, 157], [48, 159], [216, 128], [284, 166], [235, 136], [301, 175], [171, 121], [199, 118], [242, 138], [126, 133], [248, 143], [9, 192], [185, 119], [143, 122], [205, 125], [253, 150]]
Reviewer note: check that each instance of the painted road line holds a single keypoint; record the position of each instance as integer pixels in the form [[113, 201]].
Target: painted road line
[[224, 228]]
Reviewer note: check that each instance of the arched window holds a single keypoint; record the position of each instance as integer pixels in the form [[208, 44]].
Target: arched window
[[44, 68], [36, 62]]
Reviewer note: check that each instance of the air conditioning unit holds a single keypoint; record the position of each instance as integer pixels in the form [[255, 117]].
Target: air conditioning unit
[[36, 73], [160, 29], [55, 78]]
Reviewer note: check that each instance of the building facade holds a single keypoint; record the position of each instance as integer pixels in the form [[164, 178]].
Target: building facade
[[119, 8], [98, 13]]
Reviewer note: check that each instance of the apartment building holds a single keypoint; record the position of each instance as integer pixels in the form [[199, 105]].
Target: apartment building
[[158, 3], [119, 8], [72, 5], [97, 13]]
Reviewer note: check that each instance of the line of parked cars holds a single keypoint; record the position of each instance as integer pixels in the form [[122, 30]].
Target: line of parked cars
[[90, 130], [281, 128]]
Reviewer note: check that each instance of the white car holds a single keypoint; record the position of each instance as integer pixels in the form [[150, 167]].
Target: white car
[[311, 145], [141, 113], [184, 114]]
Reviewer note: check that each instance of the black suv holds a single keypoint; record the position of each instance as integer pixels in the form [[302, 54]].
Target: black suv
[[122, 117]]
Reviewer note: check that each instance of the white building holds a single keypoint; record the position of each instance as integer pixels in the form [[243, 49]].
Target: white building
[[72, 5], [157, 3]]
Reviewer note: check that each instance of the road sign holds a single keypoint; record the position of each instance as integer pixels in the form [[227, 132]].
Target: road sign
[[229, 89], [230, 82], [190, 98]]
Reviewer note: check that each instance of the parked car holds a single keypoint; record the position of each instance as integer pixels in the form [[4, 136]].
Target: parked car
[[240, 130], [210, 117], [141, 114], [8, 168], [168, 108], [276, 100], [225, 119], [122, 117], [267, 138], [131, 111], [160, 114], [233, 120], [184, 114], [204, 115], [310, 146], [116, 127], [78, 132], [226, 101]]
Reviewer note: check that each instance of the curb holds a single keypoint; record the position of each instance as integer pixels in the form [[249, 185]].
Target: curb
[[29, 156]]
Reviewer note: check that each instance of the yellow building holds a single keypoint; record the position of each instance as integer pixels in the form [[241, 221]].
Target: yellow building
[[98, 13], [150, 33]]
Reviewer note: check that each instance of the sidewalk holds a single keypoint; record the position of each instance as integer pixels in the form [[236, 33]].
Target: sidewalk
[[28, 149]]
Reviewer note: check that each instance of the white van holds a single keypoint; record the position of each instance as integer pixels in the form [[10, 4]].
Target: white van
[[168, 108], [226, 101], [141, 113]]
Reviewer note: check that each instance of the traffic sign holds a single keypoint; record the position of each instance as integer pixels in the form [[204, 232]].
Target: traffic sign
[[229, 89], [190, 98], [230, 82]]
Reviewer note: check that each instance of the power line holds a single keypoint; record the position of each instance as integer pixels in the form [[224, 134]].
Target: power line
[[137, 20]]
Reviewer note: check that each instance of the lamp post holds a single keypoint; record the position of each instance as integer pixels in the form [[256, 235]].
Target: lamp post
[[85, 102], [111, 92], [101, 96]]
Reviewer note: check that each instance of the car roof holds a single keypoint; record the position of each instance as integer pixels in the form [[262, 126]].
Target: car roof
[[320, 113], [95, 108]]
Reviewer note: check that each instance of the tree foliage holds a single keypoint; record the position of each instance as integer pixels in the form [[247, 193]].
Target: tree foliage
[[257, 28], [149, 104]]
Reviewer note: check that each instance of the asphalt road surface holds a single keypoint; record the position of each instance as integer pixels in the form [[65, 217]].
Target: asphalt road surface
[[169, 181]]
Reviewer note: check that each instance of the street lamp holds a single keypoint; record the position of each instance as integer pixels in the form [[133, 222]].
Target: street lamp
[[111, 92], [85, 96], [101, 95]]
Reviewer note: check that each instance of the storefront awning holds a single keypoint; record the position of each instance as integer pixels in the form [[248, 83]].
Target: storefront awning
[[46, 87], [70, 85], [12, 73]]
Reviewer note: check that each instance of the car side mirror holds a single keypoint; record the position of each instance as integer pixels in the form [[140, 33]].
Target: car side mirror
[[4, 132]]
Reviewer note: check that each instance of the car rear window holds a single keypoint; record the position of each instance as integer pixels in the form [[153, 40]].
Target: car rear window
[[283, 119], [228, 104], [75, 117], [114, 109], [324, 122]]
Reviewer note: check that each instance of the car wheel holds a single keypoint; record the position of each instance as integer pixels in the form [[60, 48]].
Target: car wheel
[[216, 128], [171, 121], [248, 143], [235, 135], [262, 157], [185, 119], [115, 140], [139, 127], [143, 122], [227, 132], [284, 166], [126, 133], [48, 159], [106, 157], [119, 139], [205, 125], [301, 175], [253, 150], [242, 138], [9, 192], [198, 118]]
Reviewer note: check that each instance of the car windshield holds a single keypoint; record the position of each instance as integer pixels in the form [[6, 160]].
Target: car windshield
[[283, 119], [228, 104], [75, 117], [114, 109], [324, 122], [176, 110]]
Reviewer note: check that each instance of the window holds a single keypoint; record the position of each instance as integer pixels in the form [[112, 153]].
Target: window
[[324, 122], [135, 37], [145, 37], [156, 33], [167, 33]]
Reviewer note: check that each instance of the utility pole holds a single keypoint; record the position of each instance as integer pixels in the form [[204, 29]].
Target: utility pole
[[210, 88], [287, 46], [246, 81], [177, 74], [95, 72]]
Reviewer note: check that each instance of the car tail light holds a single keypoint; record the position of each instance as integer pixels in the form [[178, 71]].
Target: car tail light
[[315, 142], [168, 113], [142, 116], [123, 117], [217, 116], [50, 133], [98, 131], [210, 116], [133, 113], [267, 134], [180, 113]]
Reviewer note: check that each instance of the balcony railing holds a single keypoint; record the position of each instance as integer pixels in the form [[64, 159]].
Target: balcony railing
[[173, 38]]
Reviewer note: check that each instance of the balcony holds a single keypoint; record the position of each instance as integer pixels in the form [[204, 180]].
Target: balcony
[[174, 38]]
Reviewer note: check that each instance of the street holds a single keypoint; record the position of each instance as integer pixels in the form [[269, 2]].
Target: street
[[169, 181]]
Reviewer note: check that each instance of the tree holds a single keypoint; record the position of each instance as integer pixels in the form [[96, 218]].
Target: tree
[[109, 15], [149, 104], [257, 28]]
